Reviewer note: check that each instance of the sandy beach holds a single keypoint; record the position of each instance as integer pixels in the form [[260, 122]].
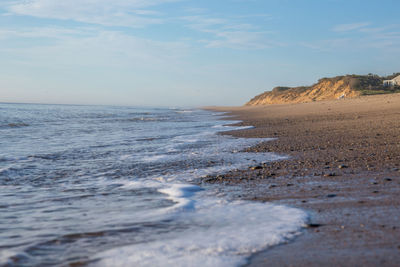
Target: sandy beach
[[343, 168]]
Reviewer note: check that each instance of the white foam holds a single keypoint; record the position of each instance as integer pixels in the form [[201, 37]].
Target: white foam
[[222, 234], [229, 127], [233, 161], [126, 157], [181, 194], [184, 111], [245, 127], [138, 184], [154, 158], [5, 256], [5, 169], [217, 232]]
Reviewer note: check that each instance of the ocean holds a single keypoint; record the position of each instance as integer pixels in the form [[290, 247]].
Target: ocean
[[119, 186]]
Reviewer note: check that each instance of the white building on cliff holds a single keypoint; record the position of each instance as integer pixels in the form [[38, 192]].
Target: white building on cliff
[[392, 82]]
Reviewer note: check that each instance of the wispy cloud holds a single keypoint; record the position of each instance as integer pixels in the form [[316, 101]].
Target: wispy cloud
[[350, 27], [128, 13], [239, 40], [231, 32], [91, 47], [360, 36], [236, 31]]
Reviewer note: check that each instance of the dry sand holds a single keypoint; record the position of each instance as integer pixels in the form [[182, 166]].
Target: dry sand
[[343, 169]]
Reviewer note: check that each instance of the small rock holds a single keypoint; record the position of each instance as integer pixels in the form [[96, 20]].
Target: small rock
[[331, 195], [255, 168], [314, 225], [290, 185], [342, 166], [388, 179]]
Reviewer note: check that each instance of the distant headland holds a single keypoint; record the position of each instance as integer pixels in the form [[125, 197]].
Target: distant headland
[[347, 86]]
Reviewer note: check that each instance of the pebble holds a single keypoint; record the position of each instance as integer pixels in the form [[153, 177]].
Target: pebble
[[331, 195], [342, 166], [314, 225], [255, 168]]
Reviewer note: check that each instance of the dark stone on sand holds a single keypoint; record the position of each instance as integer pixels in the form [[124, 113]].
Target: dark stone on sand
[[342, 166], [256, 168], [331, 195], [388, 179], [314, 225]]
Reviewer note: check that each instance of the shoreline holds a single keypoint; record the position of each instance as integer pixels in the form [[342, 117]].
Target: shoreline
[[343, 169]]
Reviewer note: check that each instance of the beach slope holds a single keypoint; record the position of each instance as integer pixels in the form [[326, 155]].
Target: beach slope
[[343, 169]]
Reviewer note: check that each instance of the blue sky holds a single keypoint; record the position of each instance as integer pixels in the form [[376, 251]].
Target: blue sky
[[184, 52]]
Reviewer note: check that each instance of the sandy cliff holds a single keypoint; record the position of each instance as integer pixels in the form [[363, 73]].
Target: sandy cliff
[[327, 88]]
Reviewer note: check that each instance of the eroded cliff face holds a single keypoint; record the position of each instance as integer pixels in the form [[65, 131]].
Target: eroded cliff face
[[325, 89]]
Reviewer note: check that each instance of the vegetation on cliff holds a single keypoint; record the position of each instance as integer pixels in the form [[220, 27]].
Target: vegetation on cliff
[[327, 88]]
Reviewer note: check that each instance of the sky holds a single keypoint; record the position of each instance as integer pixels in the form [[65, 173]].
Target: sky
[[187, 52]]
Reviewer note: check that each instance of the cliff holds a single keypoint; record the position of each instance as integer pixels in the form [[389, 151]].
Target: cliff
[[326, 88]]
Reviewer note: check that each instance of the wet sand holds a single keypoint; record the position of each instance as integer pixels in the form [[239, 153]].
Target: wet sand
[[343, 168]]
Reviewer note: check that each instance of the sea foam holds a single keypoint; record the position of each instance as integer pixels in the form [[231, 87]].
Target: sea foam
[[129, 181], [222, 233], [218, 232]]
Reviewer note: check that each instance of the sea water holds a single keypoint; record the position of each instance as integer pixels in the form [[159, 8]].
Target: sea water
[[116, 186]]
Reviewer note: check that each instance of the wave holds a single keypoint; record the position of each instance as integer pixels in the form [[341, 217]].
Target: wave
[[14, 125], [224, 234]]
